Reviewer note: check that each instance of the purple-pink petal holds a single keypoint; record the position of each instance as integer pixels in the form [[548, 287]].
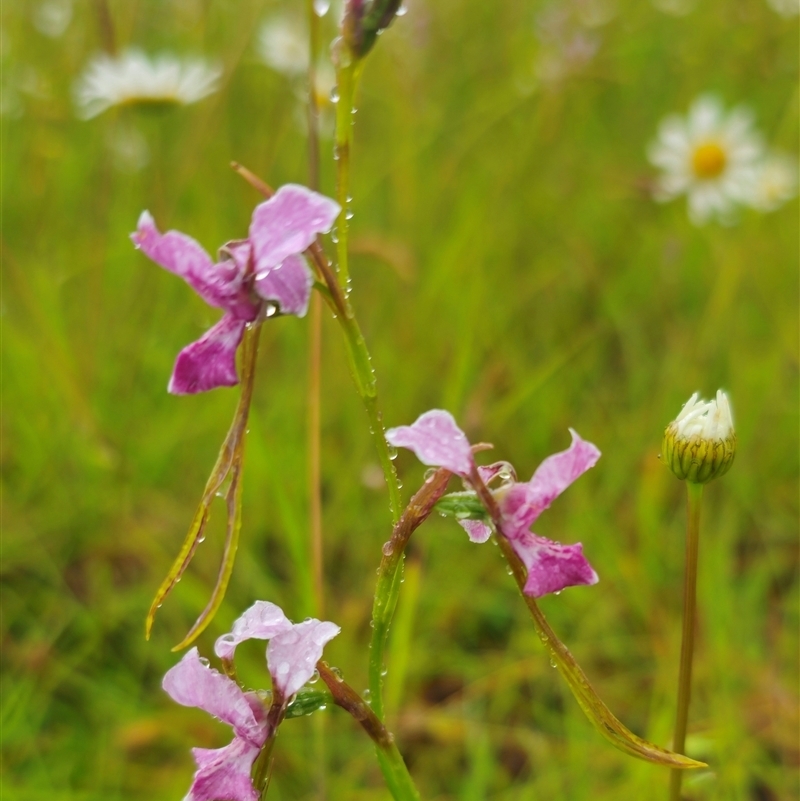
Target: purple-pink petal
[[193, 683], [219, 285], [210, 361], [223, 774], [293, 654], [551, 565], [522, 503], [477, 530], [288, 284], [288, 223], [261, 621], [436, 440]]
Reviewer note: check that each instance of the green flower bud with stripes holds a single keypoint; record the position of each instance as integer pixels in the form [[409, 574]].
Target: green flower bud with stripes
[[700, 444]]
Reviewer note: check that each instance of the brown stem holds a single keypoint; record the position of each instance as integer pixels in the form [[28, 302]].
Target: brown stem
[[349, 700]]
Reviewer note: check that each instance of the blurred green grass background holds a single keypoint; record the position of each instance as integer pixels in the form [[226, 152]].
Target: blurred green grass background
[[510, 266]]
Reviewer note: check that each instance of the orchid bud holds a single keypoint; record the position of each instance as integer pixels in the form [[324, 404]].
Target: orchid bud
[[364, 21], [699, 445]]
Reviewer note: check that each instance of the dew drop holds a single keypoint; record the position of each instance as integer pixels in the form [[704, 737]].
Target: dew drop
[[402, 10], [314, 679], [392, 452], [204, 661], [321, 7], [388, 548], [429, 474], [335, 94], [553, 663]]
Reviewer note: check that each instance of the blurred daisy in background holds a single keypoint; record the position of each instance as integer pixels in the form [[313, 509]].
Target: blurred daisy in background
[[786, 8], [710, 155], [52, 17], [675, 8], [134, 78], [283, 46], [775, 182]]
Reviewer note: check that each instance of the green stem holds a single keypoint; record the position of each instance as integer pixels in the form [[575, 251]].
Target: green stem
[[394, 769], [347, 73], [695, 496], [390, 575]]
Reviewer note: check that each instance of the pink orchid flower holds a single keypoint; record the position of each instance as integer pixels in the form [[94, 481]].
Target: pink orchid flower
[[437, 440], [267, 267], [224, 774]]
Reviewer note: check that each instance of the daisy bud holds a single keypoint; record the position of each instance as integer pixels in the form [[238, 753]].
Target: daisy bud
[[700, 443]]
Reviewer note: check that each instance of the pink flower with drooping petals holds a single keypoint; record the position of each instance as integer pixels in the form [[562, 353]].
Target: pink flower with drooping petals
[[437, 440], [294, 648], [223, 774], [268, 266]]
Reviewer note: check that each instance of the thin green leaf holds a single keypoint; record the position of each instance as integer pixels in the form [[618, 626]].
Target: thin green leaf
[[228, 465], [589, 701]]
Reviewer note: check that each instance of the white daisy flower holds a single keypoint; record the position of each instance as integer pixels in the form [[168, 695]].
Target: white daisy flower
[[775, 182], [133, 77], [283, 45], [709, 155]]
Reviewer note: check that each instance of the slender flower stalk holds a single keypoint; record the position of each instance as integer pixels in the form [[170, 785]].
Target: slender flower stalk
[[699, 446], [695, 498], [399, 780], [390, 575], [347, 74]]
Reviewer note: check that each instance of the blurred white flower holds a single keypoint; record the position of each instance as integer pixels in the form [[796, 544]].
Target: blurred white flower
[[52, 17], [283, 45], [133, 78], [786, 8], [676, 8], [709, 155], [775, 182]]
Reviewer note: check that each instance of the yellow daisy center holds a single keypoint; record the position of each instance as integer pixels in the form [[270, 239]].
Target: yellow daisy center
[[708, 160]]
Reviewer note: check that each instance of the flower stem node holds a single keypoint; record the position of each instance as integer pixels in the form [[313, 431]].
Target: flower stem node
[[700, 444]]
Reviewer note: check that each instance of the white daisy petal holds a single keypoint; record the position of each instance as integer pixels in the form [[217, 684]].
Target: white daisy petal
[[132, 77]]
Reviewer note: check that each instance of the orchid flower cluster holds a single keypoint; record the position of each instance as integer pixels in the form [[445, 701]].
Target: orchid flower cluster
[[272, 272]]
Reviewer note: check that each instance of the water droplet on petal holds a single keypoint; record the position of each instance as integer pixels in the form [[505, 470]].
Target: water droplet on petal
[[204, 662]]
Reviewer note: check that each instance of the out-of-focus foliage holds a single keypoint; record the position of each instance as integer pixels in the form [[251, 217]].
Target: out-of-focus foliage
[[509, 265]]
